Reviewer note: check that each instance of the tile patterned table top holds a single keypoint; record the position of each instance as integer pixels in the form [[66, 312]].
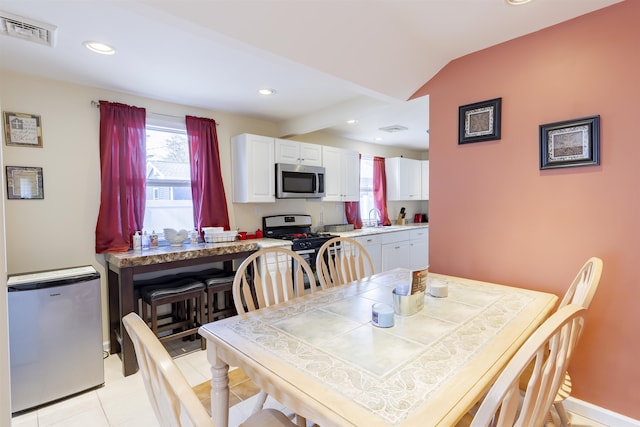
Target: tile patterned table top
[[388, 372]]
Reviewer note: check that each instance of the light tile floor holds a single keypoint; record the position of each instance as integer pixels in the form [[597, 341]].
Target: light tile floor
[[122, 402]]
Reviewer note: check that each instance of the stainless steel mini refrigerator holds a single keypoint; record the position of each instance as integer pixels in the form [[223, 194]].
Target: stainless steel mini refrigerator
[[55, 335]]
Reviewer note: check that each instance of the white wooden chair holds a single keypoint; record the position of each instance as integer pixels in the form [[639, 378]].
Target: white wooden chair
[[172, 398], [548, 351], [271, 276], [581, 292], [267, 277], [342, 260]]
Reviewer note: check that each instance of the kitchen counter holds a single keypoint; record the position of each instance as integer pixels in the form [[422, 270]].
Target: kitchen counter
[[123, 266], [165, 254], [365, 231]]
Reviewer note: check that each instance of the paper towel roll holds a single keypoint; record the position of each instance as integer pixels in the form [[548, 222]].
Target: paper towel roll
[[439, 290]]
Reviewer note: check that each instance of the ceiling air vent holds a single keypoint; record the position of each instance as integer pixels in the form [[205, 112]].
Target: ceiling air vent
[[394, 128], [27, 29]]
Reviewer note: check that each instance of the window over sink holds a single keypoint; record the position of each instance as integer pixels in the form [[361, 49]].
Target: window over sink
[[366, 188]]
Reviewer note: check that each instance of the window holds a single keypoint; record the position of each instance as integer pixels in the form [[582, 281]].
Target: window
[[366, 188], [168, 203]]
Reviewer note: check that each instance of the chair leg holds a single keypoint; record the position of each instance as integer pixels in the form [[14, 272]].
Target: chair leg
[[562, 413], [262, 397]]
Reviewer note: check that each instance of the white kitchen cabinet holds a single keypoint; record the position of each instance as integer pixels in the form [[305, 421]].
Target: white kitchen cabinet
[[425, 180], [419, 242], [342, 174], [298, 153], [373, 244], [404, 178], [396, 250], [253, 169]]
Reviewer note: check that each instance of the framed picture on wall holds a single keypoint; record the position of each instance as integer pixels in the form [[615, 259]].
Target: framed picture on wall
[[24, 182], [570, 143], [24, 130], [479, 121]]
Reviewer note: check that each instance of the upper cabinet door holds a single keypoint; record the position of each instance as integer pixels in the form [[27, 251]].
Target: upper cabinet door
[[425, 180], [404, 178], [298, 153], [253, 169], [342, 174]]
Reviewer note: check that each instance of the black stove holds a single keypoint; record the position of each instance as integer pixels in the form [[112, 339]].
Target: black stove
[[295, 228]]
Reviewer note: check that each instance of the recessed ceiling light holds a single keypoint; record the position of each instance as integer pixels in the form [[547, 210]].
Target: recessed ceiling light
[[517, 2], [266, 91], [352, 121], [99, 47]]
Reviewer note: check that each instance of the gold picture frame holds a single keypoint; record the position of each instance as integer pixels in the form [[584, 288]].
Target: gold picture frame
[[23, 130]]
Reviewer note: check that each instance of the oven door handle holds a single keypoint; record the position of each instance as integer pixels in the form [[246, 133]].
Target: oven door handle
[[305, 251]]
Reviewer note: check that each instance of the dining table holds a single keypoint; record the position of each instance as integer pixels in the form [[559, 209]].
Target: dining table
[[321, 356]]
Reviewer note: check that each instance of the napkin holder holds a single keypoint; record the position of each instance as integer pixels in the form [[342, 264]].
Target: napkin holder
[[407, 305]]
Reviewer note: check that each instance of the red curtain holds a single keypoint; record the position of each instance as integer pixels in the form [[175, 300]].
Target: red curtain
[[380, 189], [352, 212], [207, 189], [122, 176]]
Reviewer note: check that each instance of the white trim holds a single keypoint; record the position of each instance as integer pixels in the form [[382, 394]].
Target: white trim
[[596, 413]]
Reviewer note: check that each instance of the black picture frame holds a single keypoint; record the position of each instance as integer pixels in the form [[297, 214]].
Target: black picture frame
[[570, 143], [24, 182], [480, 121]]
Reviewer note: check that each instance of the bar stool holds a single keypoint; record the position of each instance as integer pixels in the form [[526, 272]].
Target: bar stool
[[219, 292], [186, 296], [219, 295]]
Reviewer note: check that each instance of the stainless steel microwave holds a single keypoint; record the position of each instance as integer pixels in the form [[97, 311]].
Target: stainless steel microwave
[[299, 181]]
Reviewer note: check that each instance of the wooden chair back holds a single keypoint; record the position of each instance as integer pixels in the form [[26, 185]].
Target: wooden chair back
[[584, 285], [172, 398], [548, 351], [342, 260], [271, 276]]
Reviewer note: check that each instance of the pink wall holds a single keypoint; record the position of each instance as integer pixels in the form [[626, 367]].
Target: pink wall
[[494, 215]]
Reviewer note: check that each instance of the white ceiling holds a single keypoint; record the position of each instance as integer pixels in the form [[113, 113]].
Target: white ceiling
[[328, 60]]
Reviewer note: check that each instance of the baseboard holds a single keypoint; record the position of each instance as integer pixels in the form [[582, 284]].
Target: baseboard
[[106, 346], [596, 413]]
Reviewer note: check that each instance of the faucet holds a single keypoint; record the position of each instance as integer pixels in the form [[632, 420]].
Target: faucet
[[378, 217]]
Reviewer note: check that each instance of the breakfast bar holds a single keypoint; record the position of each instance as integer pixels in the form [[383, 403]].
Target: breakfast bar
[[123, 266]]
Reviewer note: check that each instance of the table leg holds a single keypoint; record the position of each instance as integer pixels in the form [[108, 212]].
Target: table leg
[[114, 310], [127, 305], [219, 388]]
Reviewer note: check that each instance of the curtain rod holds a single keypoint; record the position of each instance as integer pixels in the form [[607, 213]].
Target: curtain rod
[[97, 105]]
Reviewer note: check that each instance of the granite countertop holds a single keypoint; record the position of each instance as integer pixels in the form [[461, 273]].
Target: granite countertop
[[171, 253]]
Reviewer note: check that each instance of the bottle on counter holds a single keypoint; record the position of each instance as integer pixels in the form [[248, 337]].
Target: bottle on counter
[[153, 239], [137, 241], [145, 240], [258, 234], [194, 237]]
